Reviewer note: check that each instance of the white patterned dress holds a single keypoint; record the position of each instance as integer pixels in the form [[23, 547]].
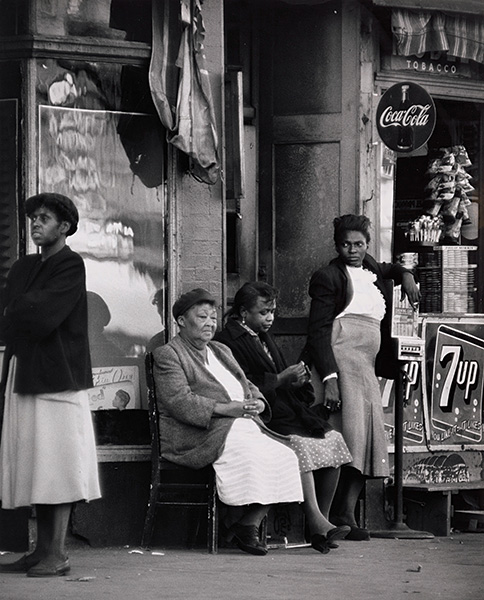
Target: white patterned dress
[[253, 468]]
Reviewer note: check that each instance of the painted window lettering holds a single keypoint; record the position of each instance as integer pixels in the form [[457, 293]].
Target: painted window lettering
[[417, 65]]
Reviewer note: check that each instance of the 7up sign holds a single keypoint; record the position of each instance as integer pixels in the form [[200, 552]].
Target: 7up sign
[[456, 387]]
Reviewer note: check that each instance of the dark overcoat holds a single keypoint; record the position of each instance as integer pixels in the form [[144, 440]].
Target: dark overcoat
[[331, 291], [44, 323], [291, 412]]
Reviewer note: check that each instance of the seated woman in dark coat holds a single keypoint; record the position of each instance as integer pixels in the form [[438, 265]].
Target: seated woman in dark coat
[[320, 449]]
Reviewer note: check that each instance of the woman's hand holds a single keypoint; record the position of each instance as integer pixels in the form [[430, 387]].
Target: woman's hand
[[410, 289], [331, 395], [247, 408], [295, 376]]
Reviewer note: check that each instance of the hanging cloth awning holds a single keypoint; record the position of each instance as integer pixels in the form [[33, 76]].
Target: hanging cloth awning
[[459, 35], [472, 7], [180, 85]]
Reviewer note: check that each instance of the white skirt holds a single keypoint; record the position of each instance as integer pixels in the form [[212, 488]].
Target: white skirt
[[47, 450], [255, 468]]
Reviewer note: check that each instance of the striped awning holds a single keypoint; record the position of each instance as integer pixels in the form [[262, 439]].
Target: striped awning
[[472, 7], [459, 35]]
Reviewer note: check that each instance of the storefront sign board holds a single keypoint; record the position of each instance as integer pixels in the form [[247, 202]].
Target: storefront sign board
[[405, 117], [453, 378], [115, 387], [413, 409], [452, 468], [427, 64]]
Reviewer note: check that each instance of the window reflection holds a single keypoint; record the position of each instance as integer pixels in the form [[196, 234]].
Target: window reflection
[[102, 144], [106, 19]]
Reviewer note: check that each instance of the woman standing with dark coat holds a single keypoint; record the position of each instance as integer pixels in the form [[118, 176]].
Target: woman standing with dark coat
[[47, 451], [348, 345], [319, 448]]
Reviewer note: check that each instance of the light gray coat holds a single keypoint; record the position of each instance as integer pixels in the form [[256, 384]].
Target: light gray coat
[[186, 391]]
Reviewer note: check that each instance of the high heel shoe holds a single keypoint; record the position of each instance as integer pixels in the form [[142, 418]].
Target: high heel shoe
[[247, 539], [337, 533], [324, 543], [356, 534], [320, 543]]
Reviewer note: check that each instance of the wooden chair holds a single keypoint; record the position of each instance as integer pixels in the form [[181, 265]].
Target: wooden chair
[[173, 485]]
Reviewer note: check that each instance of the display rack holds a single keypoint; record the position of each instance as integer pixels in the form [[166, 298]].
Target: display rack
[[447, 280]]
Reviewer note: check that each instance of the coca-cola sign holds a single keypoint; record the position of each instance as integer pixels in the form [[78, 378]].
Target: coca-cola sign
[[405, 117]]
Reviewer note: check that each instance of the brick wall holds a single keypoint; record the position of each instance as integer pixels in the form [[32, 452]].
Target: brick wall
[[200, 214]]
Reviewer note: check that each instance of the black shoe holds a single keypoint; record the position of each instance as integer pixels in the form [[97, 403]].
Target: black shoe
[[337, 533], [324, 543], [22, 565], [50, 569], [320, 543], [358, 534], [247, 539]]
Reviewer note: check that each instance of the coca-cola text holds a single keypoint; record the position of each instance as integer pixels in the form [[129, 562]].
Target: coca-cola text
[[416, 115]]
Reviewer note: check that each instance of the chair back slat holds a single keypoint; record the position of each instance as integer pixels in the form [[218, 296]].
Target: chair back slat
[[153, 413], [190, 487]]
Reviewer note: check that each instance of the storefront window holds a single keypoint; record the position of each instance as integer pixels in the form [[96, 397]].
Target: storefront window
[[108, 19], [437, 208], [101, 145]]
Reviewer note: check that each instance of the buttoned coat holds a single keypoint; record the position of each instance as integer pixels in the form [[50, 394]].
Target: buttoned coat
[[291, 413], [190, 433], [44, 323], [331, 291]]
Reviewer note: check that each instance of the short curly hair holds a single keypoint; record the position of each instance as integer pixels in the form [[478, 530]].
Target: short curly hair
[[347, 223]]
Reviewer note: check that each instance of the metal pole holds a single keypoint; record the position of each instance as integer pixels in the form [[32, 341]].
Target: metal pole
[[397, 528], [398, 440]]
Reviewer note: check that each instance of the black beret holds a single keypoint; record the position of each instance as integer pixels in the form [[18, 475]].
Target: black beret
[[189, 299], [62, 205]]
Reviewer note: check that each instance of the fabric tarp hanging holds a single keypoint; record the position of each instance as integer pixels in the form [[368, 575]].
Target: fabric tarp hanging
[[180, 84], [458, 35], [472, 7]]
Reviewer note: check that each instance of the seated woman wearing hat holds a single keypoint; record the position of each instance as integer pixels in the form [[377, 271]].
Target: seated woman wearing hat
[[210, 413]]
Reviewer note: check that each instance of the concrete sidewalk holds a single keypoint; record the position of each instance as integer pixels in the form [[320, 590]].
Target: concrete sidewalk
[[449, 568]]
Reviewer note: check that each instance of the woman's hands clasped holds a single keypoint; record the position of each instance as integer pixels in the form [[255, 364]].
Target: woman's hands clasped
[[247, 409]]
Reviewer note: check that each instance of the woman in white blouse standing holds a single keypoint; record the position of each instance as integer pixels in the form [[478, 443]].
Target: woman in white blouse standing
[[348, 345]]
